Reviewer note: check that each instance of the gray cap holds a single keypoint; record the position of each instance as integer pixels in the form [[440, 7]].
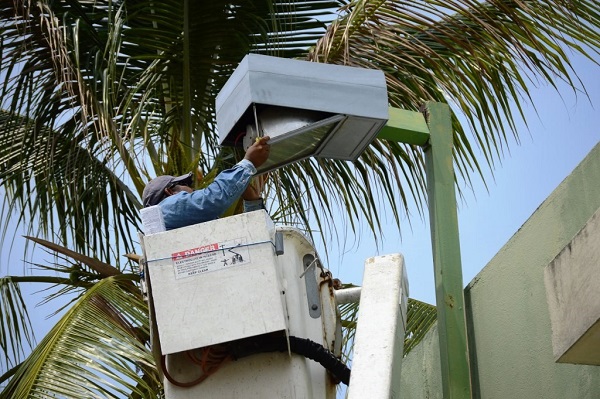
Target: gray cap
[[154, 192]]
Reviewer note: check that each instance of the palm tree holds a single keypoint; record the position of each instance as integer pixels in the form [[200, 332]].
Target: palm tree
[[100, 96]]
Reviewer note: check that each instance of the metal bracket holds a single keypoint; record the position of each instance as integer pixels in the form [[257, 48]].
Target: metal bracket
[[312, 288]]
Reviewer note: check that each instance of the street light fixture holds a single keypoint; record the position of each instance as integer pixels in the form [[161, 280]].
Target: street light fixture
[[307, 108]]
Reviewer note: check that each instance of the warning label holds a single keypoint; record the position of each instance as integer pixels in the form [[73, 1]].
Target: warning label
[[210, 257]]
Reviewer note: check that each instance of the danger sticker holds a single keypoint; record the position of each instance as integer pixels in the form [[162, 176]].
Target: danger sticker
[[210, 257]]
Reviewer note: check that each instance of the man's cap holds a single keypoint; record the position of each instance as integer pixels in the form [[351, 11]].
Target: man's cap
[[154, 192]]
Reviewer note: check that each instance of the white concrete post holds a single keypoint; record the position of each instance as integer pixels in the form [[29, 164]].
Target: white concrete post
[[379, 339]]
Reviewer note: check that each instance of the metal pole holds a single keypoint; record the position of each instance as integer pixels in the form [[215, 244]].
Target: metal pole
[[435, 135], [347, 295], [456, 378]]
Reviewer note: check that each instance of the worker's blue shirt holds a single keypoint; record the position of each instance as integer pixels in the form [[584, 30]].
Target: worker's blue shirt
[[184, 209]]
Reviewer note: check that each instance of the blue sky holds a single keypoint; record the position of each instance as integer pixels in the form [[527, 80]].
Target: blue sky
[[564, 130]]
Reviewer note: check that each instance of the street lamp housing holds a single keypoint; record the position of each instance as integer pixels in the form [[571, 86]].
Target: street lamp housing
[[307, 108]]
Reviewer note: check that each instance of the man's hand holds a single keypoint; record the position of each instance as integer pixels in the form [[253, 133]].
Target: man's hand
[[258, 152]]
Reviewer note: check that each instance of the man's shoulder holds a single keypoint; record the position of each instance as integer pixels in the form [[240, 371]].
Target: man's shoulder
[[174, 199]]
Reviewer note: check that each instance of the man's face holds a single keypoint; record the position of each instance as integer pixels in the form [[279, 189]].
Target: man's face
[[177, 188]]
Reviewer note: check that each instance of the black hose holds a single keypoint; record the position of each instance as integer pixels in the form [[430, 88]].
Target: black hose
[[300, 346], [321, 355]]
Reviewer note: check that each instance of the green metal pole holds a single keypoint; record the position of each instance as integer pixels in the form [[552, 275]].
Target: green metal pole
[[436, 137], [446, 254]]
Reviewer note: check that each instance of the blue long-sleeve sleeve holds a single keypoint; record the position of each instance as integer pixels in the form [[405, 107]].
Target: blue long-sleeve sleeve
[[184, 209]]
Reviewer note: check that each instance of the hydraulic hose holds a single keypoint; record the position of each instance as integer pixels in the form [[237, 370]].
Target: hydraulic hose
[[300, 346], [262, 344], [321, 355]]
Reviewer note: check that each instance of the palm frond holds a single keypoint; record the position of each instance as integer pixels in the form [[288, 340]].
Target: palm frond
[[481, 57], [96, 349], [70, 273], [103, 269], [163, 97], [349, 318], [420, 317], [105, 80], [16, 331], [71, 192], [319, 188]]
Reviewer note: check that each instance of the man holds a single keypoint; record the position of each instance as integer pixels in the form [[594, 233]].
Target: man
[[182, 206]]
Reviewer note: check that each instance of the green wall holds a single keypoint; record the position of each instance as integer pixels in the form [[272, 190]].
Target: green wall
[[507, 314]]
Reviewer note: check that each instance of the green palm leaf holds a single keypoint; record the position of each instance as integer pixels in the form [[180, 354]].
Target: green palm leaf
[[147, 91], [66, 188], [106, 80], [420, 317], [15, 326], [96, 349]]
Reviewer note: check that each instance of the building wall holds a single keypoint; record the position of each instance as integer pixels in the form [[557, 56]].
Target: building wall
[[507, 311]]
